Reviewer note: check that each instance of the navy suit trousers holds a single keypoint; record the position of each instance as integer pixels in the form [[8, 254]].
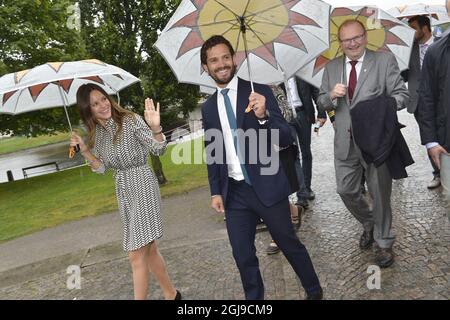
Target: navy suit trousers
[[243, 210]]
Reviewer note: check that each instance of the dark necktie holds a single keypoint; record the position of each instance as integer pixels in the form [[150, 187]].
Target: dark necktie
[[352, 80], [233, 126]]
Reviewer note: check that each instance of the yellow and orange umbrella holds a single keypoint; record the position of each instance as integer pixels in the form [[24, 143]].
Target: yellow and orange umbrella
[[384, 33]]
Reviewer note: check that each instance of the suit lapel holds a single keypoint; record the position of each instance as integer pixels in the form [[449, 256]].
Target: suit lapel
[[364, 73], [214, 112], [243, 93]]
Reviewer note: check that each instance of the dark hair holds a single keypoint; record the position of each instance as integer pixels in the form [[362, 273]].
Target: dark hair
[[346, 23], [212, 42], [84, 107], [422, 21]]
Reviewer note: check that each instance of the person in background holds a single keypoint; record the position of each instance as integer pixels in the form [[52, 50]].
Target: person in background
[[423, 38], [302, 96], [433, 109], [289, 158]]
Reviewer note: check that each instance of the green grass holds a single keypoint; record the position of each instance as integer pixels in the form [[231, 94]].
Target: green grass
[[33, 204], [13, 144]]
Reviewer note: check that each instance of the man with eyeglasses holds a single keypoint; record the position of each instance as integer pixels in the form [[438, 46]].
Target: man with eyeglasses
[[362, 75]]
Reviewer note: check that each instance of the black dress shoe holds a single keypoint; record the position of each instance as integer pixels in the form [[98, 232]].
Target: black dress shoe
[[366, 239], [311, 195], [177, 296], [385, 257], [316, 296]]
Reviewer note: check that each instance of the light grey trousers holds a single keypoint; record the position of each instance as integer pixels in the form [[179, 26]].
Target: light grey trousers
[[379, 181]]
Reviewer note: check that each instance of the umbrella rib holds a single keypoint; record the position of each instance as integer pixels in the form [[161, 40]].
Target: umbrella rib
[[18, 98], [225, 7], [267, 9], [229, 29], [312, 34], [246, 7], [257, 36], [212, 23]]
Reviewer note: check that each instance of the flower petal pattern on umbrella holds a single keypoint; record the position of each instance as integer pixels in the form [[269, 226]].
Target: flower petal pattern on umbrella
[[8, 95], [281, 36], [383, 33], [55, 84], [55, 65], [18, 76]]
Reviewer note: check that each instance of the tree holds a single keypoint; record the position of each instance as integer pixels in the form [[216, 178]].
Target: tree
[[122, 32], [33, 33]]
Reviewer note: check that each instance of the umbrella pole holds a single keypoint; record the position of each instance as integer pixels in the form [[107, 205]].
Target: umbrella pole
[[65, 107], [244, 33], [75, 149]]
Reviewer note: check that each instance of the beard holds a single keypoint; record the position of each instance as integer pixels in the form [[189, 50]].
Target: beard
[[226, 80]]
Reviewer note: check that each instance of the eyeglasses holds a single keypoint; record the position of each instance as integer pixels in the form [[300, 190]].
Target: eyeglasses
[[357, 39]]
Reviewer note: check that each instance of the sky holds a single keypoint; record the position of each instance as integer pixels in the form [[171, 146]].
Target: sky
[[383, 4]]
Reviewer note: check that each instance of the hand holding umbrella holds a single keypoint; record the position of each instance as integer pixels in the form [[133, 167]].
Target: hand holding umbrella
[[76, 144], [257, 103]]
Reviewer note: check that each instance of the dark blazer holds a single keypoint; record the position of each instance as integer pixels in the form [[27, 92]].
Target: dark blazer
[[376, 131], [434, 94], [270, 189], [412, 76], [308, 93]]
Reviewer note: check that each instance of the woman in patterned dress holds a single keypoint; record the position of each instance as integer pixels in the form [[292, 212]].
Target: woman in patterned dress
[[121, 140]]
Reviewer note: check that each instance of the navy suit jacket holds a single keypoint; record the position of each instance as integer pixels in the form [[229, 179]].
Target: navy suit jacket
[[270, 189]]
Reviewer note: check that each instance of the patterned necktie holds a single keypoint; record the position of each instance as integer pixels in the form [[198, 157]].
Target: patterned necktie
[[352, 80], [233, 126]]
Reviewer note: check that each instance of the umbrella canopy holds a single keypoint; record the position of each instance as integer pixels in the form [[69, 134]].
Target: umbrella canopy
[[417, 9], [384, 33], [55, 84], [280, 36]]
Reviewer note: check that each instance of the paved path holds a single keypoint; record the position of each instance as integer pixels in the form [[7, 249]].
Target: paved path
[[198, 254]]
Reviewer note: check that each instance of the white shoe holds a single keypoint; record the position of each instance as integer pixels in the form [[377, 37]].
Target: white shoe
[[436, 182]]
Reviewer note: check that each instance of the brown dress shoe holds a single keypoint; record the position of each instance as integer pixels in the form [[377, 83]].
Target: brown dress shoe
[[385, 257]]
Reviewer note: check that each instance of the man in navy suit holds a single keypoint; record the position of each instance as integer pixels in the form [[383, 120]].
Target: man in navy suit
[[241, 129]]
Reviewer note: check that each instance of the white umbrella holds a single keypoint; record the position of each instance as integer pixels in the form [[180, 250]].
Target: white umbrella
[[272, 38], [417, 9], [384, 33], [55, 84]]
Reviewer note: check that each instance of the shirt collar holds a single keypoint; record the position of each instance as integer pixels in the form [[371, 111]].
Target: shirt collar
[[232, 85], [361, 59], [428, 43]]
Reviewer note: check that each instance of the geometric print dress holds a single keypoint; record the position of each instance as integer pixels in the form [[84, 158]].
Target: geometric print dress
[[137, 188]]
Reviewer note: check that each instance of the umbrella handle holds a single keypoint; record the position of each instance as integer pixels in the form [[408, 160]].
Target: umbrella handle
[[73, 150]]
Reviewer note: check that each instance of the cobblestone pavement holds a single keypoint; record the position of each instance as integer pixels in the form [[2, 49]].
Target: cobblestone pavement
[[204, 268]]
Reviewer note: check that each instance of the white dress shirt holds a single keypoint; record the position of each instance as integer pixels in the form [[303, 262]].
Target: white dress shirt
[[348, 69], [423, 47], [293, 96], [234, 166], [358, 67]]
